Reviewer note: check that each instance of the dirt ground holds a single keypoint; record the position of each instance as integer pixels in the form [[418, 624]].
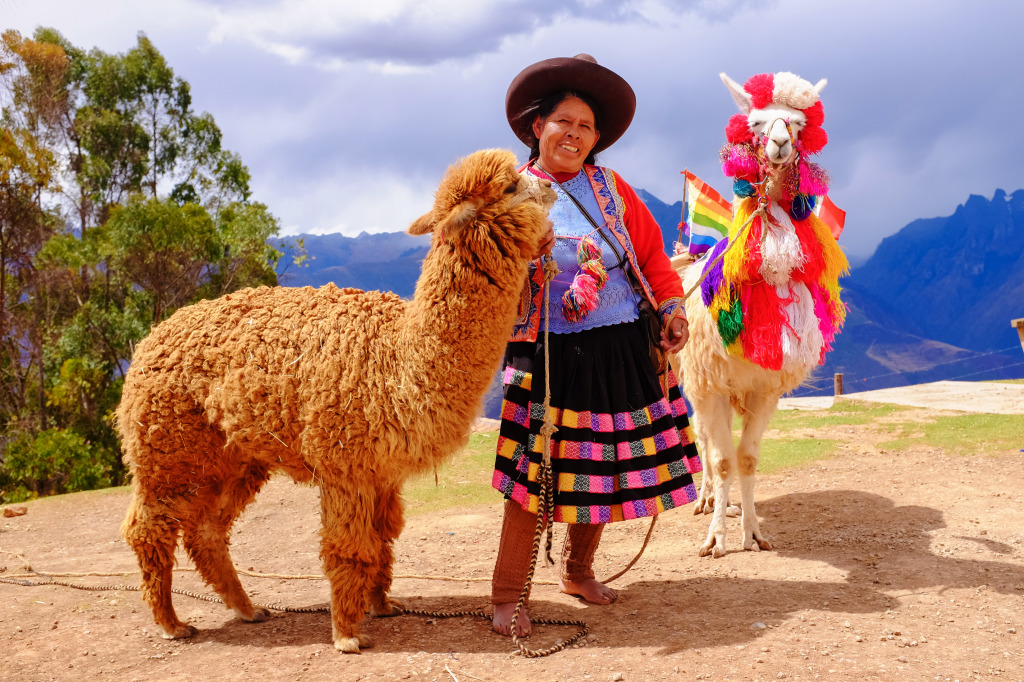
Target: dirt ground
[[887, 565]]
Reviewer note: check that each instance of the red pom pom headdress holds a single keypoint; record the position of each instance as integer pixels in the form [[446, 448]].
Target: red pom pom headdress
[[783, 88]]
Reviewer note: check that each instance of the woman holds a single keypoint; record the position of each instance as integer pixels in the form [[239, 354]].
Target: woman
[[622, 450]]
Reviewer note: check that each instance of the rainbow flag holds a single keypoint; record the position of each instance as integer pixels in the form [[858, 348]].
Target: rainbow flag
[[831, 215], [706, 215]]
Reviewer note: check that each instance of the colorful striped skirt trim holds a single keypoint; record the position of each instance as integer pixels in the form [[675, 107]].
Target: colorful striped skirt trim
[[622, 450]]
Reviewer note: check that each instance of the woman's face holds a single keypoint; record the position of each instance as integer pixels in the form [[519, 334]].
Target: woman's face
[[566, 136]]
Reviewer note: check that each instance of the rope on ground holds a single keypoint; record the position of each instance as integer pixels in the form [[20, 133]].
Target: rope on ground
[[32, 574]]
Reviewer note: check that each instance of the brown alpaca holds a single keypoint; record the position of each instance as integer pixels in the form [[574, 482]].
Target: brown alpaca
[[353, 390]]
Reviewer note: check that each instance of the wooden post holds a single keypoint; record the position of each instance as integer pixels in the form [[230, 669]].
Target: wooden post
[[1019, 324], [838, 380]]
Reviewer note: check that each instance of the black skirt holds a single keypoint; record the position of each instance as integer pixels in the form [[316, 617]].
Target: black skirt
[[623, 450]]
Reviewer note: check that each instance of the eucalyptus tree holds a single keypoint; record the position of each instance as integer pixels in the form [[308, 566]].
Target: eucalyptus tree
[[118, 204]]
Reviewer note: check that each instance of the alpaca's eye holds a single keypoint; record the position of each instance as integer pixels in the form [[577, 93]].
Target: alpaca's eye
[[511, 189]]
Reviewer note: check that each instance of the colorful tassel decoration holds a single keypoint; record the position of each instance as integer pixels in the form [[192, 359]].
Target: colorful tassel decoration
[[587, 250], [802, 206], [730, 323], [595, 269], [743, 188], [580, 299]]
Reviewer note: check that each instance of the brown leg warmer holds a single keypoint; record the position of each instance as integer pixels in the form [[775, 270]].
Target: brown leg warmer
[[581, 542], [514, 551]]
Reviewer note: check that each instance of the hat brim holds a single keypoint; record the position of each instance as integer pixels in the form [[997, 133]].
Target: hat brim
[[608, 90]]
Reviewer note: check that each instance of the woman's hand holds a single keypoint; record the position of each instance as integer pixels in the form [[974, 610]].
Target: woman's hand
[[674, 336], [547, 241]]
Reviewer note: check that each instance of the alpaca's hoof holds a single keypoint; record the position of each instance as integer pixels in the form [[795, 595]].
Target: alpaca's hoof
[[258, 615], [348, 645], [352, 645], [389, 607], [733, 510], [179, 631]]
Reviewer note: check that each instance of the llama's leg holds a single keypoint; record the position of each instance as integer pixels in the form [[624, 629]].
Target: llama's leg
[[388, 521], [153, 535], [721, 454], [759, 409], [705, 499], [349, 549], [705, 503], [206, 540]]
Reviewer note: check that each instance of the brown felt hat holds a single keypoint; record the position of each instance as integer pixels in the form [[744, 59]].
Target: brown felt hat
[[581, 74]]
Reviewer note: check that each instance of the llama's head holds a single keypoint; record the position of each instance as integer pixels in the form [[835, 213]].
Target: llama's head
[[781, 115], [489, 211]]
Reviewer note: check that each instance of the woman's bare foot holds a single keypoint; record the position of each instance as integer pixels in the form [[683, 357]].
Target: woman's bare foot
[[502, 620], [590, 589]]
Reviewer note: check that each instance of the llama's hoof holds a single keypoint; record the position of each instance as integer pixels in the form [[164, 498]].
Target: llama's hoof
[[733, 510], [365, 641], [754, 540], [258, 615], [179, 631], [714, 545], [389, 608]]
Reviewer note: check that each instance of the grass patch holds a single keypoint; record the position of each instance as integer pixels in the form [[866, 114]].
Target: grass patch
[[784, 454], [968, 434], [842, 413], [1009, 381], [464, 481]]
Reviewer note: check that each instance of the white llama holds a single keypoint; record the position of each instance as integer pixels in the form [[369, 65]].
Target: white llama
[[769, 307]]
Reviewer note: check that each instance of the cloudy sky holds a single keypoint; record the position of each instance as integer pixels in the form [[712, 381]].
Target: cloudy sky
[[347, 112]]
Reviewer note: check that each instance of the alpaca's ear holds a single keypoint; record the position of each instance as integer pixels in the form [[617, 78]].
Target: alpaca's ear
[[741, 96], [423, 224], [460, 216], [820, 85]]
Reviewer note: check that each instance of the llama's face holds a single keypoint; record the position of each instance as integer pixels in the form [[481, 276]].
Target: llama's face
[[780, 116], [777, 127]]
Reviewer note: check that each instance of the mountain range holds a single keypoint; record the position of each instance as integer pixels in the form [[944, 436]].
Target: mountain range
[[933, 302]]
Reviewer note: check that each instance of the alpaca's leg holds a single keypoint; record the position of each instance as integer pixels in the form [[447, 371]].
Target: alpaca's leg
[[153, 536], [760, 408], [388, 521], [721, 454], [206, 541], [349, 549]]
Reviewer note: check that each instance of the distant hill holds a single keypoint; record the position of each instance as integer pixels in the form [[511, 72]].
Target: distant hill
[[389, 261], [958, 279], [933, 302]]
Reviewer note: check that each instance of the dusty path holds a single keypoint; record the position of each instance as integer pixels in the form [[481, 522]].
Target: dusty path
[[888, 565]]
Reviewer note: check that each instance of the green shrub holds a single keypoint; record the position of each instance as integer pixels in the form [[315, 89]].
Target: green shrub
[[52, 462]]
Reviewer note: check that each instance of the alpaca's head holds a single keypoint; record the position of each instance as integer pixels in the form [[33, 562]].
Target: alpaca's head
[[781, 116], [488, 211]]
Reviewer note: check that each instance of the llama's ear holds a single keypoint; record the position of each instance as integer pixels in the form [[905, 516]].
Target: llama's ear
[[423, 224], [741, 96], [462, 214], [820, 85]]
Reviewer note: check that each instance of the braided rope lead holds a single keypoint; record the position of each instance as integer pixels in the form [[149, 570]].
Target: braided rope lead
[[41, 580], [546, 497]]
